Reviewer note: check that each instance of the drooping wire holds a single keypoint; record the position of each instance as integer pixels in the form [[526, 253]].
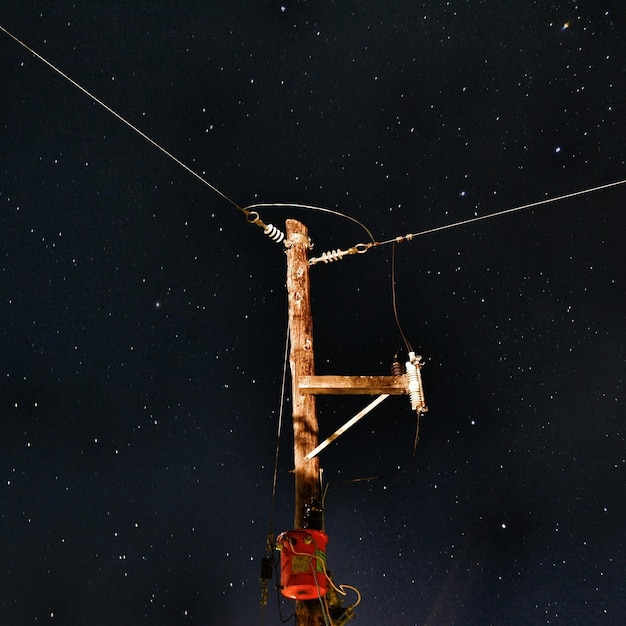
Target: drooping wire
[[272, 231], [310, 207], [416, 441], [252, 216], [394, 298]]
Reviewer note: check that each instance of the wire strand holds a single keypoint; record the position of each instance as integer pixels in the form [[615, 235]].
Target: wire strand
[[310, 207], [269, 543], [246, 210], [531, 205], [279, 428], [393, 298], [106, 107]]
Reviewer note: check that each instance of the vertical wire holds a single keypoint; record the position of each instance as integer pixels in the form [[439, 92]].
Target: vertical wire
[[270, 533], [393, 297], [279, 428]]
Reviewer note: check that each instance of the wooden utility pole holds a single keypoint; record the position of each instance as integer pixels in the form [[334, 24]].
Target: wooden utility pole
[[301, 358], [306, 385]]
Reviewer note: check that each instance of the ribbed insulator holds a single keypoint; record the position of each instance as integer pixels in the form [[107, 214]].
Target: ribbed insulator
[[331, 255], [397, 369], [414, 376], [274, 233]]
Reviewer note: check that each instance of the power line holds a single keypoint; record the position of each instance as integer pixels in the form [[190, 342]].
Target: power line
[[251, 216], [360, 248], [531, 205], [121, 119], [254, 218]]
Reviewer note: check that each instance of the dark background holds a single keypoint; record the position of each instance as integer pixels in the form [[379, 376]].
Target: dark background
[[143, 320]]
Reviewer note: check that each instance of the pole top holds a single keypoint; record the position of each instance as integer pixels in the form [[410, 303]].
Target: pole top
[[297, 234]]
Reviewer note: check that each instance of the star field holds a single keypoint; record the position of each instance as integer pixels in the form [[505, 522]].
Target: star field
[[143, 319]]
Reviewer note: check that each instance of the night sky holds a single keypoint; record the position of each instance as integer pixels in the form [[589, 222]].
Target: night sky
[[143, 320]]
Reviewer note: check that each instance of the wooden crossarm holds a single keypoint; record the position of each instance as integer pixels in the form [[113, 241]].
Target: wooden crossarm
[[352, 385]]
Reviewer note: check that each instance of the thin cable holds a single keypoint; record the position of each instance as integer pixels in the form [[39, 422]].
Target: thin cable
[[310, 207], [283, 620], [321, 597], [361, 248], [279, 428], [415, 442], [393, 298], [245, 210], [106, 107], [505, 212], [269, 542], [121, 119], [356, 591]]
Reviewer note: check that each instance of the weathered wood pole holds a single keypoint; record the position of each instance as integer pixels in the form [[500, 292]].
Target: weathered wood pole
[[301, 358]]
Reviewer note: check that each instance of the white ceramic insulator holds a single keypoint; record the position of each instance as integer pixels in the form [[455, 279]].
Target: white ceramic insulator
[[332, 255], [274, 233], [416, 394]]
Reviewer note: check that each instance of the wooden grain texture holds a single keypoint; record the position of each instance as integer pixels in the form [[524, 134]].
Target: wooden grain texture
[[305, 429]]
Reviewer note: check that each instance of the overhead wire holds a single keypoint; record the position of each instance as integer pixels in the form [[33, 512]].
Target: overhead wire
[[487, 216], [106, 107], [336, 255], [251, 215], [311, 208], [270, 230], [394, 299]]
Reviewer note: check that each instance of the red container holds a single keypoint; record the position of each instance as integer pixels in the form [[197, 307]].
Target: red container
[[303, 564]]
